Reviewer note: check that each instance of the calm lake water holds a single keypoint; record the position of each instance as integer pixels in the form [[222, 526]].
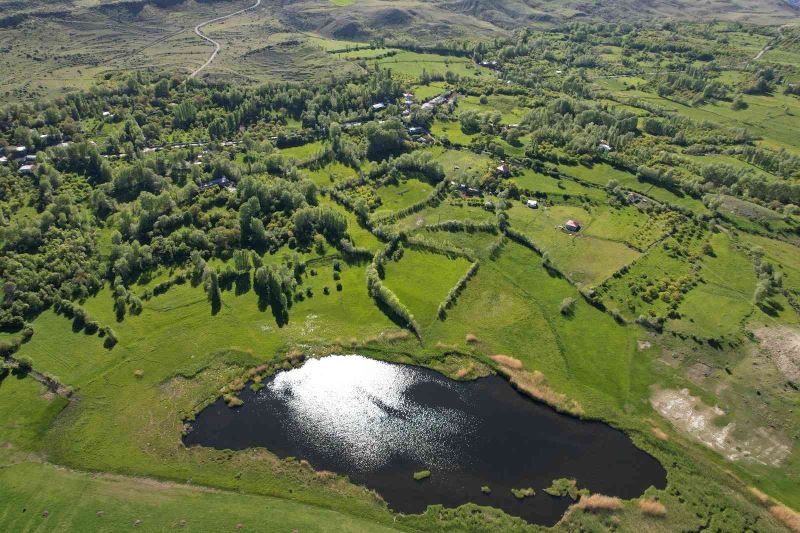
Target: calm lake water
[[378, 423]]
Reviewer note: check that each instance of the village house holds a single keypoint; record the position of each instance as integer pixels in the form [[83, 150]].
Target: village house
[[26, 169], [218, 182], [504, 169], [572, 226], [533, 204], [378, 106]]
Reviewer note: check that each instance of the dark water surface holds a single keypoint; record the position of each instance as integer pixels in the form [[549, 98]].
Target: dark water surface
[[378, 423]]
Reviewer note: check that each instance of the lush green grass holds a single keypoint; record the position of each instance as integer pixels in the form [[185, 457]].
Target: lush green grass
[[585, 258], [508, 106], [411, 64], [302, 152], [602, 173], [422, 280], [451, 209], [75, 501], [719, 305], [330, 174], [451, 131], [61, 352], [406, 193], [28, 410], [530, 180]]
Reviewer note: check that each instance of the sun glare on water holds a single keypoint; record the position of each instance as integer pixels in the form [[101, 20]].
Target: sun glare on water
[[359, 408]]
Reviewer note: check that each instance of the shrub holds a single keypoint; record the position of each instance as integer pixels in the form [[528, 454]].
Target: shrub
[[523, 493], [471, 338], [568, 306], [24, 364], [326, 290], [486, 489], [339, 287], [565, 487], [138, 373], [232, 400]]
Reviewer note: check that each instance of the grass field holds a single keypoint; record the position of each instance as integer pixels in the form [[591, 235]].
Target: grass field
[[587, 259], [406, 193], [422, 280], [720, 304]]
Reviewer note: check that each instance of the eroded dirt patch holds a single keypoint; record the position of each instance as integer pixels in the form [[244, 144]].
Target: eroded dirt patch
[[782, 344], [689, 415]]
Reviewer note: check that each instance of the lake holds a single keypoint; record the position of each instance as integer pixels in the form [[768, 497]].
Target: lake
[[379, 422]]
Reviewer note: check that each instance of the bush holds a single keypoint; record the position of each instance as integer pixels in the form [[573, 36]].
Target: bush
[[24, 365], [568, 306], [523, 493]]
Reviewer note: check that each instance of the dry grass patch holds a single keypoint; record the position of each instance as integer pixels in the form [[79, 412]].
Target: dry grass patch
[[471, 338], [659, 433], [762, 498], [396, 336], [652, 508], [599, 502], [535, 385], [789, 517], [506, 361], [461, 373]]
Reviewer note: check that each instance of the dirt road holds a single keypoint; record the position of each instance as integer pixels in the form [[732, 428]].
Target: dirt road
[[199, 31]]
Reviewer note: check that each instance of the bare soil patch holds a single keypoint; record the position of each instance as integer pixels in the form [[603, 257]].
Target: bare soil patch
[[689, 415], [782, 344]]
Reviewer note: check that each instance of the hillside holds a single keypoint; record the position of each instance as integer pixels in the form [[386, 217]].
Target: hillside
[[51, 46]]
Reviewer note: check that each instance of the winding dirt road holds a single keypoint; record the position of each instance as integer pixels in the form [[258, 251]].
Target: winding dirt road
[[199, 31]]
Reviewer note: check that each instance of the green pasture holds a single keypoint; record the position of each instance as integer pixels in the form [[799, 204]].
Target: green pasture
[[586, 259]]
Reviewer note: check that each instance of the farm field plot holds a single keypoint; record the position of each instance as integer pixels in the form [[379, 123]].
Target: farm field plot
[[451, 131], [601, 174], [536, 182], [330, 174], [586, 259], [507, 106], [450, 209], [406, 193], [783, 255], [412, 64], [422, 280], [302, 152], [724, 298]]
